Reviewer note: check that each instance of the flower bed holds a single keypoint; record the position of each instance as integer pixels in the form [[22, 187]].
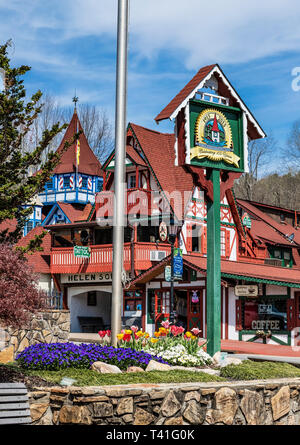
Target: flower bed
[[169, 343], [55, 356]]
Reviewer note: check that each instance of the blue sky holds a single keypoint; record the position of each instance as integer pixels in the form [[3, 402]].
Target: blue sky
[[72, 45]]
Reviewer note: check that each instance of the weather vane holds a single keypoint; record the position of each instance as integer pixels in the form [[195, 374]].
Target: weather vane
[[75, 99]]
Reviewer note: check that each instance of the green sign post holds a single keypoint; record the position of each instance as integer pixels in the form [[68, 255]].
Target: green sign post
[[213, 281], [213, 128]]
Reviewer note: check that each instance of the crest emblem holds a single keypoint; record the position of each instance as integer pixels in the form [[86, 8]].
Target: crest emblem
[[213, 138]]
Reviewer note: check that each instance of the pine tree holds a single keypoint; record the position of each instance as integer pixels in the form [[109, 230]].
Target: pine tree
[[17, 116]]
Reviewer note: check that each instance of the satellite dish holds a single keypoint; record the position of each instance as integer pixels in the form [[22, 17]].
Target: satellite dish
[[291, 237]]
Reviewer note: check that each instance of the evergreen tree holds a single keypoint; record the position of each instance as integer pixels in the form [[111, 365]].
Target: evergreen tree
[[17, 116]]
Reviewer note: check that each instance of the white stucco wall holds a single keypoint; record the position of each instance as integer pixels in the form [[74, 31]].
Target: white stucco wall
[[77, 302]]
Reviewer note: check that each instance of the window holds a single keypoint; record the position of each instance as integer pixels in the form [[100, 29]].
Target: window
[[99, 184], [196, 238], [29, 226], [264, 314], [223, 243], [92, 298], [132, 301], [49, 184], [66, 182], [131, 183], [84, 182]]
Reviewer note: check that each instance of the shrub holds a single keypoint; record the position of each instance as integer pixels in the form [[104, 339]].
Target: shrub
[[250, 370], [56, 356], [19, 292]]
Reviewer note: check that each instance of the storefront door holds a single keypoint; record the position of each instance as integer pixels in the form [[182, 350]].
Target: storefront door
[[162, 307], [195, 309]]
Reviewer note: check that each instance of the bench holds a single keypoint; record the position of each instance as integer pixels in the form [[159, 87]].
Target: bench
[[91, 324], [14, 405]]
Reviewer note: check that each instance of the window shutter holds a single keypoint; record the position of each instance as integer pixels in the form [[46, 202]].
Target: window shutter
[[227, 243], [189, 237], [204, 240], [238, 315], [291, 316]]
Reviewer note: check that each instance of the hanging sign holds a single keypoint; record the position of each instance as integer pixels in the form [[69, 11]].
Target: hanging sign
[[195, 298], [168, 273], [178, 264], [250, 290], [82, 252], [247, 220], [163, 231], [216, 136]]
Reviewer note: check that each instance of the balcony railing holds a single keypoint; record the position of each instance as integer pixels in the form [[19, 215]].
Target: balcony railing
[[63, 259]]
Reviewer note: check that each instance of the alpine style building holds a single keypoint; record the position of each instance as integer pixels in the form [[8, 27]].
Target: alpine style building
[[260, 244]]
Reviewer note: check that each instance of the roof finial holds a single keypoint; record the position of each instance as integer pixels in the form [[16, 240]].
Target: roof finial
[[75, 100]]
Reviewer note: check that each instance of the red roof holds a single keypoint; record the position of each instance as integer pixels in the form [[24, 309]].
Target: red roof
[[261, 230], [8, 224], [281, 229], [40, 261], [160, 153], [260, 271], [134, 155], [236, 269], [88, 162], [72, 211], [184, 93]]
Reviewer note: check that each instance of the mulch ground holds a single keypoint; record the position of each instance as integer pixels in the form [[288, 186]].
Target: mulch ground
[[11, 375]]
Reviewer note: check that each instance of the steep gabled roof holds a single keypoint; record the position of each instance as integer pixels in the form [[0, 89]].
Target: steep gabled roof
[[167, 112], [88, 162], [281, 229], [225, 89], [158, 149]]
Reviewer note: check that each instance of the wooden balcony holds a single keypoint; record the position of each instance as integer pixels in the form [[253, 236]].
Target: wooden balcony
[[64, 261]]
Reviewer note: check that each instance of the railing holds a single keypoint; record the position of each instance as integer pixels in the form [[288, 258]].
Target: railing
[[54, 300], [63, 259]]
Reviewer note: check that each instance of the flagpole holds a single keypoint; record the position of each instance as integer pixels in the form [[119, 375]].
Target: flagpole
[[119, 177]]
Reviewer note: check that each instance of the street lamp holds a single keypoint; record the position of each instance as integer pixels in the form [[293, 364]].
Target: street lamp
[[173, 229]]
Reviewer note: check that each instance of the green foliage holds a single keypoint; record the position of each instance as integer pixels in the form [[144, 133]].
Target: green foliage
[[17, 155], [86, 377], [250, 370]]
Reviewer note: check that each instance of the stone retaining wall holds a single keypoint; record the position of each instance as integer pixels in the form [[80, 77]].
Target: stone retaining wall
[[49, 326], [275, 402]]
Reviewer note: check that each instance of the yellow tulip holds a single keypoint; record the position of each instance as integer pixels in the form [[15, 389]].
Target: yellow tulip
[[157, 334], [128, 331], [146, 335], [120, 336], [154, 340], [188, 334]]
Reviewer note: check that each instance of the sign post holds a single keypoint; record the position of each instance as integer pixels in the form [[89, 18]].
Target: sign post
[[213, 283]]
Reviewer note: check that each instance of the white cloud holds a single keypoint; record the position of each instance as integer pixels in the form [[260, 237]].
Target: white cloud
[[200, 32]]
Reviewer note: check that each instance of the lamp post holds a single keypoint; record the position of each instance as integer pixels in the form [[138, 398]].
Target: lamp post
[[120, 143], [172, 238]]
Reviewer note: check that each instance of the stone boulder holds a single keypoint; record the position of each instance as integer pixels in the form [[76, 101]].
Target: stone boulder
[[229, 360], [153, 365], [105, 368], [135, 369]]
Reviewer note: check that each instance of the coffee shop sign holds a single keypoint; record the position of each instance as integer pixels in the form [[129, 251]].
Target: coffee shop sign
[[266, 324]]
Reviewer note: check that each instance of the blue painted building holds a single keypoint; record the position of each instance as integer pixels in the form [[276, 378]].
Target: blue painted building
[[75, 181]]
